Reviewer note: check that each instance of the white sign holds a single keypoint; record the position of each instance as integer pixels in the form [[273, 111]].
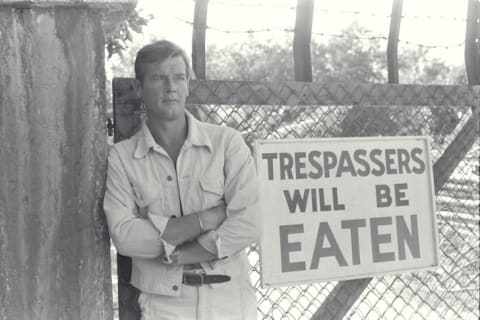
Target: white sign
[[345, 208]]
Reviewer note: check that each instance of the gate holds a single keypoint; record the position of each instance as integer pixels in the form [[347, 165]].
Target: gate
[[276, 110]]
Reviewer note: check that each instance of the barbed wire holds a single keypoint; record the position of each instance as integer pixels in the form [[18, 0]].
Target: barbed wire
[[324, 34], [339, 12]]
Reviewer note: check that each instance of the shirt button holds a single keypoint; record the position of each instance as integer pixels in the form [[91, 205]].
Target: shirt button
[[169, 178], [175, 288]]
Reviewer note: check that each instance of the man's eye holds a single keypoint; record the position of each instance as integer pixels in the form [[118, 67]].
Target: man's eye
[[158, 77], [180, 77]]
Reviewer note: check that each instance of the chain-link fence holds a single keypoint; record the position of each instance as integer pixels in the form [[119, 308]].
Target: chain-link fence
[[449, 114]]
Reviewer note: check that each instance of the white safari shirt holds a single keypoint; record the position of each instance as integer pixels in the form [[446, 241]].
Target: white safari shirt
[[214, 166]]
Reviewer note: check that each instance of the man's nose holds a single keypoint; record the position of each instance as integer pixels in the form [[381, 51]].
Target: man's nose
[[170, 85]]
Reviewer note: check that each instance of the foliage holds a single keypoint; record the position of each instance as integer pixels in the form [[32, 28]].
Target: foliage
[[123, 38], [121, 50], [344, 59], [349, 58], [341, 59], [254, 61]]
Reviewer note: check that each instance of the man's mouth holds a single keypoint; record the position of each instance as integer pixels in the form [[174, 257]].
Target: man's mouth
[[169, 100]]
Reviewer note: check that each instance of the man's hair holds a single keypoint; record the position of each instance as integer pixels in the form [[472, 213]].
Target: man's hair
[[159, 51]]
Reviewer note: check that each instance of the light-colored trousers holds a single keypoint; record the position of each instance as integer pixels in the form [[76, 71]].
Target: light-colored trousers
[[228, 301]]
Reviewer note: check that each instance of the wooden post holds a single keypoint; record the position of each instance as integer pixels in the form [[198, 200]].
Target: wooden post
[[301, 40], [392, 47], [54, 244], [472, 42], [198, 38]]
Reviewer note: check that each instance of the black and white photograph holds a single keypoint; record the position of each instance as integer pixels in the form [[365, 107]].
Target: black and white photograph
[[239, 159]]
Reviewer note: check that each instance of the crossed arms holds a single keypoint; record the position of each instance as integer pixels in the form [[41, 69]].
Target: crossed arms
[[182, 233]]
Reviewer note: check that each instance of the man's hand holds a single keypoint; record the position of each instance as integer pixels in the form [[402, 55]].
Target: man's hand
[[212, 218], [192, 252]]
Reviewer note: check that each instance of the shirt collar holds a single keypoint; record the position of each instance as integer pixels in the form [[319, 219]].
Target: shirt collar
[[196, 136], [197, 133]]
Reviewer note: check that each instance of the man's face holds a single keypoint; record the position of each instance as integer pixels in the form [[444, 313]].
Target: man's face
[[165, 89]]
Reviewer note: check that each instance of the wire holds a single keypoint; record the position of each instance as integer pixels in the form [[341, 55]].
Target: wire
[[247, 31], [338, 12], [323, 34]]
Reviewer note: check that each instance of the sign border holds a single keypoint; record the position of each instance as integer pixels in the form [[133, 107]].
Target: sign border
[[425, 139]]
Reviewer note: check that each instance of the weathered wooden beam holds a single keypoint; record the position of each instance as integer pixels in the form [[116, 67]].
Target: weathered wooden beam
[[292, 93], [341, 299], [392, 46], [456, 150], [301, 40], [472, 42], [198, 38]]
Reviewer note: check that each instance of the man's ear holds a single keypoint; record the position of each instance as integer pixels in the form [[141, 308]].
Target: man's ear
[[137, 88]]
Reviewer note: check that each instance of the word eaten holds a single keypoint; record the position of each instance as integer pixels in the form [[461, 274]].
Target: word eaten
[[358, 231]]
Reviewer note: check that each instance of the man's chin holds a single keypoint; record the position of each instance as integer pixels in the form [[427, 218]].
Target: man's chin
[[170, 102], [167, 114]]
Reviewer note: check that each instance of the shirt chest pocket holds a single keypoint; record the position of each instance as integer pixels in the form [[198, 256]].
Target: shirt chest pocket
[[149, 199], [211, 191]]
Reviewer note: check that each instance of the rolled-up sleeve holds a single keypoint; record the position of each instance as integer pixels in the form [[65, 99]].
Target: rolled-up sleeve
[[241, 227], [132, 236], [210, 242]]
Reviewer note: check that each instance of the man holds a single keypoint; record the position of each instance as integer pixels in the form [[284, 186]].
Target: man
[[182, 201]]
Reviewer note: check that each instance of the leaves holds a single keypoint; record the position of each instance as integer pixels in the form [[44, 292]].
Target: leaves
[[121, 40], [345, 59]]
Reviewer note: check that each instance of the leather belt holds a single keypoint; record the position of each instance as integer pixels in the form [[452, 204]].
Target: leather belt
[[199, 279]]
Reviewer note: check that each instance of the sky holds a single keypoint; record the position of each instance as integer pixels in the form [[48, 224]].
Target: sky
[[427, 22]]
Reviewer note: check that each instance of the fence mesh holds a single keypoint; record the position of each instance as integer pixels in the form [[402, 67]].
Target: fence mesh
[[449, 292]]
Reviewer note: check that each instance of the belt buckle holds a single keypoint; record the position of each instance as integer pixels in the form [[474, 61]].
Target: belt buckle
[[195, 274], [202, 279]]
